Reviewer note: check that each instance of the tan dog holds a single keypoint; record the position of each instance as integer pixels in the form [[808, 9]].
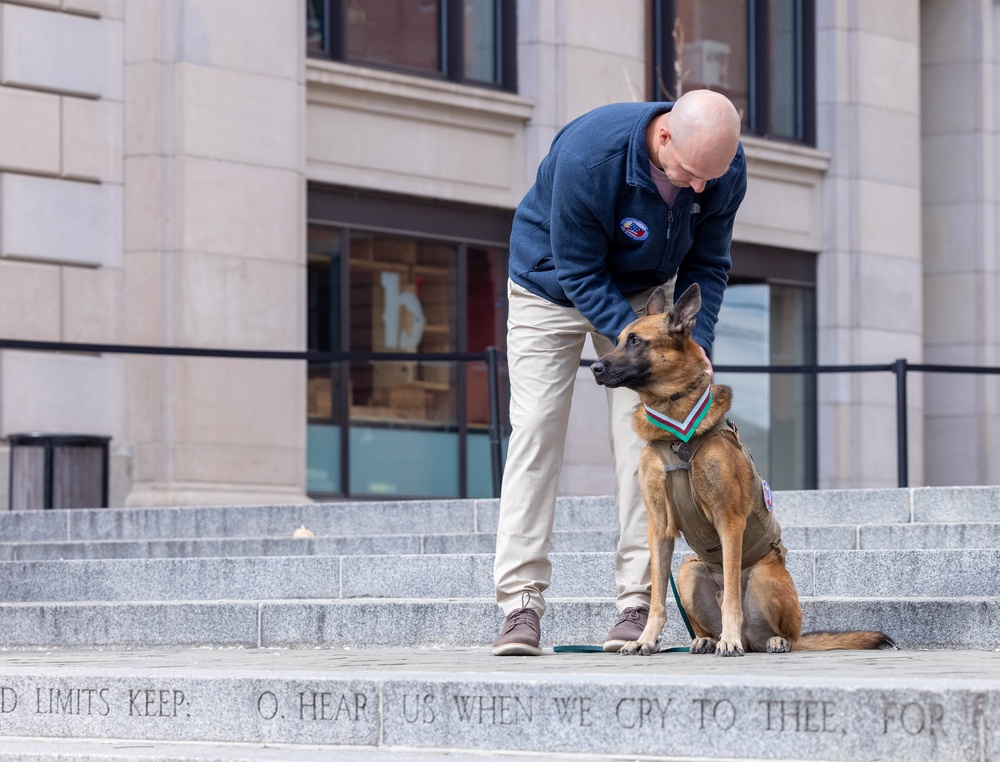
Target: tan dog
[[698, 478]]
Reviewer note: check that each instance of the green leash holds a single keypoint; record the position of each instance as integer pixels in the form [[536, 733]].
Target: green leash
[[680, 608], [585, 649]]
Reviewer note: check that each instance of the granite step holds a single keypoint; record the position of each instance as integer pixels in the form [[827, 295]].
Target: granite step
[[924, 536], [323, 519], [844, 537], [386, 544], [445, 517], [845, 706], [885, 573], [969, 622]]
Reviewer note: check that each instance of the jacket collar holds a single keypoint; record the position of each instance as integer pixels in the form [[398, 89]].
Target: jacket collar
[[637, 166]]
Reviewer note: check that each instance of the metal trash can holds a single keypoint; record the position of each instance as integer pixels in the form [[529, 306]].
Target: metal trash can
[[58, 471]]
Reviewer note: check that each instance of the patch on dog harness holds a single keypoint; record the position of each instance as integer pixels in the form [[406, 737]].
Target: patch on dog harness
[[766, 488], [635, 229]]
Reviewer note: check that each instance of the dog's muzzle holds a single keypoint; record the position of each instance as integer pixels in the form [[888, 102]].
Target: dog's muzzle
[[598, 369], [606, 374]]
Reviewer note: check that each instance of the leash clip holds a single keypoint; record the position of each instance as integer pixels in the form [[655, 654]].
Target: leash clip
[[683, 450]]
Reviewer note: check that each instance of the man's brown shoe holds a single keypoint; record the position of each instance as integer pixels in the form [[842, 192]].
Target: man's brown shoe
[[519, 635], [629, 627]]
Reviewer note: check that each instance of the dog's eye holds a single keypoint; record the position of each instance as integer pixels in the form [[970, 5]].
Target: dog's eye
[[634, 340]]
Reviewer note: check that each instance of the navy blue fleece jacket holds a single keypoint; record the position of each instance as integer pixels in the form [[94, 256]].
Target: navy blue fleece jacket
[[593, 229]]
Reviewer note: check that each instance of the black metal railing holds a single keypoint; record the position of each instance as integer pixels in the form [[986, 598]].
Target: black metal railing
[[493, 358], [901, 368]]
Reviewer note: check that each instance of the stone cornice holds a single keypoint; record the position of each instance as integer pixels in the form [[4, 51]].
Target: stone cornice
[[329, 81]]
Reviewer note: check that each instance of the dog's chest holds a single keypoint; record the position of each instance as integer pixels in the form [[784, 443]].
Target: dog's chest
[[762, 531]]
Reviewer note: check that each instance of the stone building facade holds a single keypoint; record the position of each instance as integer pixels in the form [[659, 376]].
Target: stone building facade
[[164, 163]]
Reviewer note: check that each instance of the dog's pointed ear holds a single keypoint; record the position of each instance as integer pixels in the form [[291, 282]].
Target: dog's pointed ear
[[682, 317], [657, 303]]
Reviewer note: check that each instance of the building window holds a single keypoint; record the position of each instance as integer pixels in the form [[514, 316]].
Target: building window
[[402, 427], [470, 41], [760, 53], [768, 317]]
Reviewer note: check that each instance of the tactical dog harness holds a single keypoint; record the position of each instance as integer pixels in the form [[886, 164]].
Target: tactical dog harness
[[762, 534]]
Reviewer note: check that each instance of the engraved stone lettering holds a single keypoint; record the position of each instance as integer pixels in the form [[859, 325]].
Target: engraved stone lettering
[[494, 710], [8, 700], [801, 716], [155, 702], [326, 706], [913, 718], [722, 713], [73, 701], [267, 705], [419, 708], [574, 710], [640, 712]]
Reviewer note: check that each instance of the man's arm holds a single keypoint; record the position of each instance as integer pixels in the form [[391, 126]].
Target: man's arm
[[580, 249]]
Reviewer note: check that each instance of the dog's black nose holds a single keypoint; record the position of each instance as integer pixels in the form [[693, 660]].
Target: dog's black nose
[[597, 367]]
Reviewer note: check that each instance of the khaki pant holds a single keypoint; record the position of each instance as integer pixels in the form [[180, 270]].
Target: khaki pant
[[544, 345]]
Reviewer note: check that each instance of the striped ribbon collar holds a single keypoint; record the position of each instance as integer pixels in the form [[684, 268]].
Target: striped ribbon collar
[[685, 429]]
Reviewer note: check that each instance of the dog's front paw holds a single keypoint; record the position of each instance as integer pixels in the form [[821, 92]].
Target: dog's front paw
[[729, 648], [638, 647], [703, 645], [778, 645]]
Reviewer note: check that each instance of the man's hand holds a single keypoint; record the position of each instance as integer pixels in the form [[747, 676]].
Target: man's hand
[[708, 363]]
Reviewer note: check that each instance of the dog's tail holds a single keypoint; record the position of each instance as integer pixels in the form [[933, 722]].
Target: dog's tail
[[854, 640]]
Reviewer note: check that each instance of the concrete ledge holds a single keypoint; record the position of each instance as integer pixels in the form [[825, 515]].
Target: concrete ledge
[[798, 538], [837, 706], [129, 625], [843, 506], [811, 511], [906, 573], [887, 573], [367, 623], [900, 536], [913, 622], [956, 504], [171, 579], [336, 519], [257, 547]]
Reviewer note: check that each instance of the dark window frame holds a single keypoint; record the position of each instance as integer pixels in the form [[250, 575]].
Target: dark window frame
[[661, 19], [350, 210], [754, 263], [451, 44]]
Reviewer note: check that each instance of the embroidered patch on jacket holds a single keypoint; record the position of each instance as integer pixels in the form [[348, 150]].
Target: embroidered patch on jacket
[[768, 499], [634, 228]]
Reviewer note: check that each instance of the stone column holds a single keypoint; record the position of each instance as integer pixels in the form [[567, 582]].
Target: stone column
[[961, 205], [215, 247], [870, 269]]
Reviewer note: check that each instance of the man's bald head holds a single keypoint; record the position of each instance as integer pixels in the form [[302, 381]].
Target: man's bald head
[[697, 140], [705, 127]]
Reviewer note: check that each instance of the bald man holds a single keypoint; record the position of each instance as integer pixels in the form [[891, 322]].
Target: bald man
[[631, 196]]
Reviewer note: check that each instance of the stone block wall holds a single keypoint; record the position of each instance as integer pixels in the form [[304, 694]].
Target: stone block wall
[[61, 213]]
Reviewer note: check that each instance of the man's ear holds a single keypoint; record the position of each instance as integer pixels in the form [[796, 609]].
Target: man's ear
[[686, 308], [663, 130]]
